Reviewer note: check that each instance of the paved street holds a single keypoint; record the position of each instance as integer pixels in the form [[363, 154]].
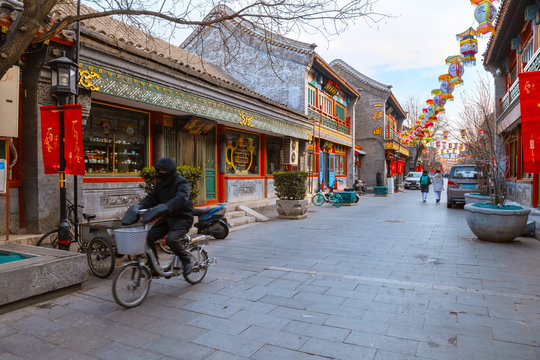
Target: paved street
[[389, 278]]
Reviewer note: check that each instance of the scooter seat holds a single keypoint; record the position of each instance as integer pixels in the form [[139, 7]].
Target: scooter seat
[[204, 209]]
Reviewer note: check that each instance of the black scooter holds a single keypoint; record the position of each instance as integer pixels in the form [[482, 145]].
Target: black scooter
[[212, 221]]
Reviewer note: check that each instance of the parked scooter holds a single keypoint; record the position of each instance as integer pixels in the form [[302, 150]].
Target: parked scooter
[[212, 221], [359, 188]]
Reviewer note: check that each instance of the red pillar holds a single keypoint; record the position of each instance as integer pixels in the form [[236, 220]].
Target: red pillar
[[221, 167], [262, 161], [535, 190]]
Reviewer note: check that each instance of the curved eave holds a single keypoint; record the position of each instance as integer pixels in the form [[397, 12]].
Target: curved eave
[[363, 78], [333, 74], [397, 106]]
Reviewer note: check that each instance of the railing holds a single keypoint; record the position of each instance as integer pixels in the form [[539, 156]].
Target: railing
[[328, 121]]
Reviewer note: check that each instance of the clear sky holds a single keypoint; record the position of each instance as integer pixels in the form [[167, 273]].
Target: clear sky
[[408, 51]]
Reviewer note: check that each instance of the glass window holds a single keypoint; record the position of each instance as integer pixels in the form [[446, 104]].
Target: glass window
[[528, 52], [340, 112], [325, 104], [311, 96], [340, 164], [242, 153], [273, 155], [115, 140], [464, 172]]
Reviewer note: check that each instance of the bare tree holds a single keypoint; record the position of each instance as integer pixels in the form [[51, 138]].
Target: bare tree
[[484, 147], [162, 18]]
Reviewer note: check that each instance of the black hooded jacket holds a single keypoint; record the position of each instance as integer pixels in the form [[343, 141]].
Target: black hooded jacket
[[175, 193]]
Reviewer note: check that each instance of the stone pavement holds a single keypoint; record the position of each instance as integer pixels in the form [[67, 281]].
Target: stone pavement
[[389, 278]]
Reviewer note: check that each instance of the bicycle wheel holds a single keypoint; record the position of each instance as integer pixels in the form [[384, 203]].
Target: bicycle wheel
[[100, 256], [49, 239], [199, 258], [131, 285], [317, 199], [336, 201]]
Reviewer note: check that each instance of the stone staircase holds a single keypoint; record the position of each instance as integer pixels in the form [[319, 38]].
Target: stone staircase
[[241, 214]]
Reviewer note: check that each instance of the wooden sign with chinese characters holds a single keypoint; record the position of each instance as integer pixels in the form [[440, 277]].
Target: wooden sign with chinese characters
[[198, 126], [331, 88], [377, 131]]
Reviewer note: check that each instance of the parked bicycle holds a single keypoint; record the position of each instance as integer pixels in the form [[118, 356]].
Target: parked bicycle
[[131, 284], [330, 197], [100, 251]]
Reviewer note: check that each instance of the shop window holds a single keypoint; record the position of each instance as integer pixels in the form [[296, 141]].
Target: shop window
[[340, 112], [115, 140], [273, 155], [310, 161], [528, 52], [242, 153], [311, 96]]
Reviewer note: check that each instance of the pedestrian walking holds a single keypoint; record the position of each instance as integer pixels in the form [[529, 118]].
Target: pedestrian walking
[[438, 185], [424, 184], [378, 178]]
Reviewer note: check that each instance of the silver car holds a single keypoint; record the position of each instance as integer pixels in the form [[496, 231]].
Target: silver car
[[412, 181], [462, 179]]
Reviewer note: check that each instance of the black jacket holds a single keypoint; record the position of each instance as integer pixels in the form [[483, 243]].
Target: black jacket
[[173, 192]]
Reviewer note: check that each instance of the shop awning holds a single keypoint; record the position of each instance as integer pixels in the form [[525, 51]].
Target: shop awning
[[359, 152]]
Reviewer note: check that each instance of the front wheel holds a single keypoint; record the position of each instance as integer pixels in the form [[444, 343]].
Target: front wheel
[[100, 256], [317, 199], [199, 258], [220, 230], [49, 239], [131, 285]]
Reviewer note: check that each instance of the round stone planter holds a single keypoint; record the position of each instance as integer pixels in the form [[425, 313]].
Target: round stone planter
[[292, 209], [493, 224], [471, 198]]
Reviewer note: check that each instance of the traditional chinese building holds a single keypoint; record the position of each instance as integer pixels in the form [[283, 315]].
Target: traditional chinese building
[[143, 99], [514, 49], [291, 73], [378, 118]]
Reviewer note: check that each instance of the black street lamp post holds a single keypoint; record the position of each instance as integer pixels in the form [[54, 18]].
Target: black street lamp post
[[63, 87]]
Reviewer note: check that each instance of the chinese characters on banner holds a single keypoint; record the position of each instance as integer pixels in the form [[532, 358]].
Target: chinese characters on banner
[[529, 92], [50, 139]]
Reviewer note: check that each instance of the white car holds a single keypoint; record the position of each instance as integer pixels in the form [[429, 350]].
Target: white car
[[412, 181]]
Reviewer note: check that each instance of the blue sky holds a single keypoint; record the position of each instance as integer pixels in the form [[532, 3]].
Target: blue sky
[[408, 51]]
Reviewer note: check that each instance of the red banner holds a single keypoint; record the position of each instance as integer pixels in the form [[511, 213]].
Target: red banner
[[73, 152], [529, 98], [393, 167], [50, 139], [400, 167]]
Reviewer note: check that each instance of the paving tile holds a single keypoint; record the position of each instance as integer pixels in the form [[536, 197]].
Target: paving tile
[[285, 301], [337, 350], [175, 348], [226, 326], [117, 351], [383, 342], [229, 343], [283, 338], [251, 306], [219, 310], [222, 355], [317, 331], [301, 315], [270, 352]]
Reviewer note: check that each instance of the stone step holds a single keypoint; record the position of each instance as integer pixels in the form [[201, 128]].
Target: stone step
[[242, 220], [234, 214]]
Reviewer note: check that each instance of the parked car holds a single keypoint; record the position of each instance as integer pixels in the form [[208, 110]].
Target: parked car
[[412, 181], [461, 180]]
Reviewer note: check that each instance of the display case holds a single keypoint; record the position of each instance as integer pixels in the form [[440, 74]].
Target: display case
[[115, 141]]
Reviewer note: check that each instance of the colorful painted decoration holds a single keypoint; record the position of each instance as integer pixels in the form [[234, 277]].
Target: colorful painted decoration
[[446, 87], [468, 46], [480, 132], [456, 69], [445, 77], [463, 133], [485, 14], [445, 135]]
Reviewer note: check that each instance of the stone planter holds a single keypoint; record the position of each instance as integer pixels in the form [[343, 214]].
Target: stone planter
[[494, 224], [471, 198], [292, 209]]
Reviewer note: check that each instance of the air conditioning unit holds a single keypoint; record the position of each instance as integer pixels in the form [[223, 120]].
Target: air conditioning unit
[[290, 151]]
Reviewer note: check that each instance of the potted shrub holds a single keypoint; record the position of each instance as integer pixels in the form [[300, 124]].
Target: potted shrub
[[190, 173], [494, 220], [291, 189]]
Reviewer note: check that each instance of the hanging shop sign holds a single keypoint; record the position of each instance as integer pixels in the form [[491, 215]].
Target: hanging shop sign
[[198, 126], [327, 145], [331, 88]]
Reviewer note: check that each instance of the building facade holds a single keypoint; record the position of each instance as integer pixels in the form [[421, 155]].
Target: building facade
[[290, 72], [378, 117], [513, 49]]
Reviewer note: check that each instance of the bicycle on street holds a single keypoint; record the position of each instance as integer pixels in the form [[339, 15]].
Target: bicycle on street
[[100, 251], [321, 197], [131, 284]]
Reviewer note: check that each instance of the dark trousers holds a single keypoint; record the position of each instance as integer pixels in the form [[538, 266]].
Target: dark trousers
[[174, 236]]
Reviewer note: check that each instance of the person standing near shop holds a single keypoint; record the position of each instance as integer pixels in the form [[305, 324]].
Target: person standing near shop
[[438, 185], [425, 180], [378, 178]]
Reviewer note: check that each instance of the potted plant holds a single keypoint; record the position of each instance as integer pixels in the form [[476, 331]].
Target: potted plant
[[291, 189], [491, 220], [191, 173]]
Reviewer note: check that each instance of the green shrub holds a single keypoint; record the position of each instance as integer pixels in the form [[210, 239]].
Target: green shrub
[[190, 173], [290, 185]]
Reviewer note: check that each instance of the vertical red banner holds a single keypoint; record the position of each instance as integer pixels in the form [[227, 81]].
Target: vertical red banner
[[73, 152], [50, 138], [529, 94]]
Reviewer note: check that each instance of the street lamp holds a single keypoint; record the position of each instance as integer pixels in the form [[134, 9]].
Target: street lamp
[[63, 87]]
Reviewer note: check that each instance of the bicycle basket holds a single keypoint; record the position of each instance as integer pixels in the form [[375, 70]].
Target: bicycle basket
[[130, 241]]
